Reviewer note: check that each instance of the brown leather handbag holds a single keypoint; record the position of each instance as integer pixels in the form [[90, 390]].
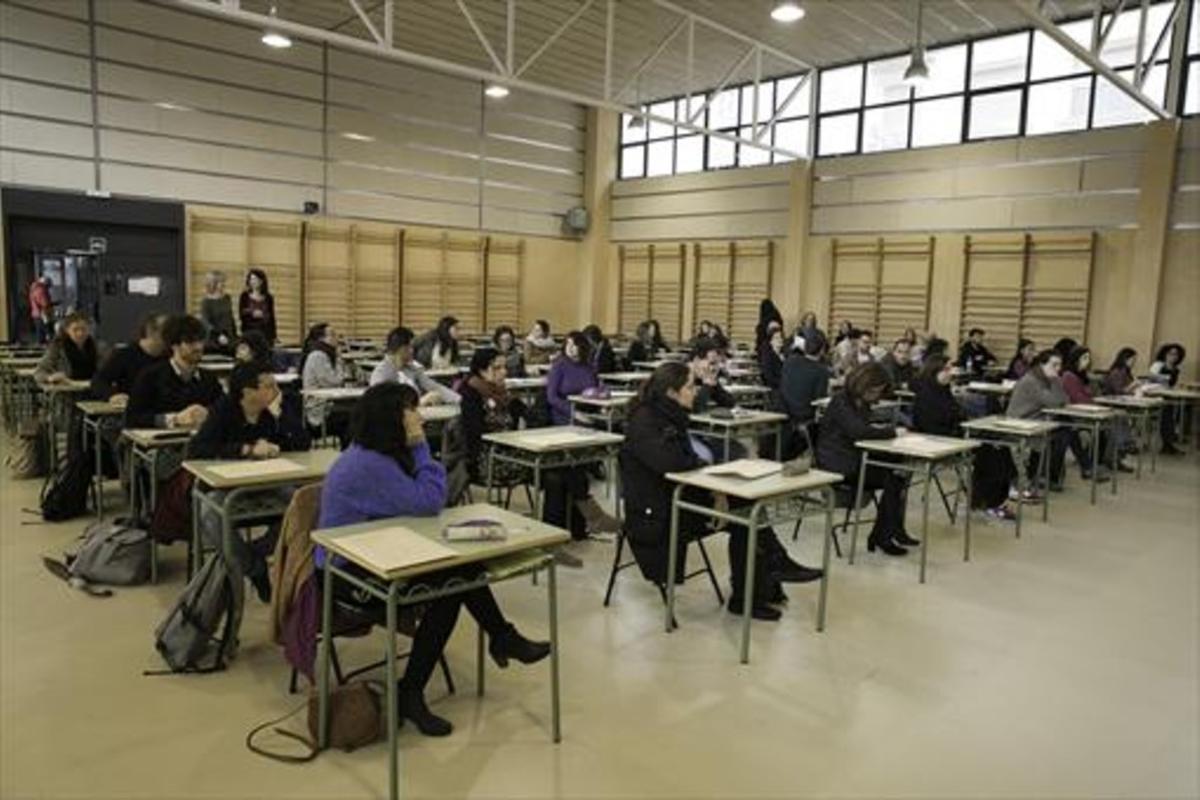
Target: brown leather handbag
[[356, 719]]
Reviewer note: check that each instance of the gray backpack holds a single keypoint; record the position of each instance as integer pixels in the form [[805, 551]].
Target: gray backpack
[[113, 553], [192, 637]]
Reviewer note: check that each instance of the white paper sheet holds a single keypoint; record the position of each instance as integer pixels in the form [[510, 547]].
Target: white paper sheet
[[748, 468], [255, 469]]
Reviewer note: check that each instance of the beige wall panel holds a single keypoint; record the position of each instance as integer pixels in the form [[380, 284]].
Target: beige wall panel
[[450, 109], [164, 152], [1085, 143], [547, 108], [26, 169], [44, 101], [213, 127], [1001, 151], [376, 206], [50, 137], [389, 131], [550, 266], [520, 200], [1185, 210], [832, 192], [946, 287], [1109, 324], [975, 214], [703, 181], [348, 177], [146, 85], [1017, 180], [732, 226], [197, 29], [43, 65], [724, 201], [530, 222], [902, 186], [422, 159], [818, 276], [414, 82], [1119, 172], [558, 182], [152, 182], [1094, 210], [33, 28], [855, 219], [1177, 317], [522, 153], [206, 64], [1187, 169], [534, 129]]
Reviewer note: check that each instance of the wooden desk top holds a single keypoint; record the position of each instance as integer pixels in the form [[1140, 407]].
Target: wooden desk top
[[524, 534], [741, 417], [919, 445], [1174, 394], [100, 408], [1081, 411], [997, 423], [773, 485], [439, 413], [983, 387], [151, 438], [66, 387], [525, 383], [335, 393], [1129, 401], [615, 400], [747, 388], [556, 438], [624, 377], [307, 466]]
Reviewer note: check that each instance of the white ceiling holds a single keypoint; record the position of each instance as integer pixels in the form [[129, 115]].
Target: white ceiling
[[834, 31]]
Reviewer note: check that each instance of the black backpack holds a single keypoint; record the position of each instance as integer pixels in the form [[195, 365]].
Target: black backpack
[[65, 493]]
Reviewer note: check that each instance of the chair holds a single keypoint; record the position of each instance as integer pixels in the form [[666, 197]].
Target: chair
[[618, 567], [843, 497]]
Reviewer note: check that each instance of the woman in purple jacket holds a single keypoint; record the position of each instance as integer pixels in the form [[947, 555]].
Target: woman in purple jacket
[[387, 471], [571, 373]]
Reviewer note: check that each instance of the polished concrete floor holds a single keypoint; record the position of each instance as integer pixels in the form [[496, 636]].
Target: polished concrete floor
[[1063, 664]]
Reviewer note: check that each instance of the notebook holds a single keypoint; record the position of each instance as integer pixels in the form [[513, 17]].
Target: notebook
[[750, 469], [393, 548]]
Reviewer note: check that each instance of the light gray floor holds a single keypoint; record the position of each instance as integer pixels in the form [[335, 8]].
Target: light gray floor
[[1061, 665]]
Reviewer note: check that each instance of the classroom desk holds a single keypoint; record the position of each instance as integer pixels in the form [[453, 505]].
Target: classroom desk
[[883, 411], [519, 554], [145, 444], [94, 412], [1001, 390], [650, 366], [918, 454], [59, 394], [1018, 435], [744, 423], [1146, 412], [436, 416], [307, 467], [609, 409], [447, 375], [771, 500], [624, 378], [749, 395], [1182, 400], [525, 389], [741, 375], [539, 449], [16, 382], [1095, 419]]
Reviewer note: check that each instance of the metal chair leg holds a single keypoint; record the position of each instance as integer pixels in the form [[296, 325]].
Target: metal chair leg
[[446, 673], [712, 576], [616, 567]]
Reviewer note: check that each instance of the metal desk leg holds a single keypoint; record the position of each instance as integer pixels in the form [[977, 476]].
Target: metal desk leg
[[828, 497], [1095, 459], [1113, 456], [925, 518], [1022, 480], [728, 438], [969, 467], [1045, 469], [1156, 423], [479, 671], [862, 477], [1143, 424], [672, 558], [393, 713], [779, 443], [552, 591], [748, 587], [323, 658]]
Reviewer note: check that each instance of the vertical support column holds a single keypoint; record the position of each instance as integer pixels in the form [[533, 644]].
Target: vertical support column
[[792, 282], [598, 287], [1144, 287]]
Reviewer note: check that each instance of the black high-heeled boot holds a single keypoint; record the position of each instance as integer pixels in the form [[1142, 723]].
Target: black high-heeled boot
[[902, 538], [411, 705], [886, 545], [511, 644]]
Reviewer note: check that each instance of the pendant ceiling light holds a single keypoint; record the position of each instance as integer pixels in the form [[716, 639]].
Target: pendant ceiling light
[[917, 72]]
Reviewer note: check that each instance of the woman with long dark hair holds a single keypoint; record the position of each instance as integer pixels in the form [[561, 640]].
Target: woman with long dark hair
[[1119, 378], [657, 443], [768, 315], [72, 352], [319, 369], [647, 342], [256, 306], [1165, 371], [438, 348], [387, 471], [1019, 365], [571, 373]]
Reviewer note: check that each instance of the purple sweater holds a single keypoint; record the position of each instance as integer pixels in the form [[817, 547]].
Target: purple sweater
[[364, 485], [566, 378]]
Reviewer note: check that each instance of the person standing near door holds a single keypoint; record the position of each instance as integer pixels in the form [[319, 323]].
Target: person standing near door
[[41, 309], [216, 312], [256, 306]]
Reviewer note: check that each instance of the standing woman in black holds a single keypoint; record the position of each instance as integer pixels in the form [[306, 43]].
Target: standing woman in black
[[771, 356], [256, 306], [767, 313], [848, 420]]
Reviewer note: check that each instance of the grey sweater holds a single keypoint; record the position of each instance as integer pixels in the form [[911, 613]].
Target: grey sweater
[[1032, 395]]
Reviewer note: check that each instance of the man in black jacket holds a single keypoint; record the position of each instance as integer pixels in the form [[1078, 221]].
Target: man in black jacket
[[973, 356], [250, 424], [175, 393], [898, 364], [804, 378], [115, 379]]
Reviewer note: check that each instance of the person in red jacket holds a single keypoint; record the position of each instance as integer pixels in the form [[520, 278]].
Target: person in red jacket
[[41, 309], [1076, 384]]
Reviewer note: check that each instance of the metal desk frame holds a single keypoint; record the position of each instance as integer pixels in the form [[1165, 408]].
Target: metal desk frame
[[1095, 423], [1018, 443]]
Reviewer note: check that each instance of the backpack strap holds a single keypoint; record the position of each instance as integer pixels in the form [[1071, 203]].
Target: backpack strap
[[60, 570]]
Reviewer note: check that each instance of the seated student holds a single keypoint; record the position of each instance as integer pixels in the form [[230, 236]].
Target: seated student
[[539, 345], [703, 331], [438, 348], [805, 378], [1026, 350], [657, 443], [845, 330], [771, 356], [505, 341], [388, 471], [898, 364], [319, 369], [398, 366], [114, 379], [855, 351], [487, 407], [71, 355], [253, 346], [769, 318], [848, 420], [807, 327], [1064, 346], [175, 393], [935, 411], [1077, 386], [604, 360], [248, 423], [647, 342], [1119, 380], [705, 366], [571, 373], [1040, 389], [974, 356], [1165, 371]]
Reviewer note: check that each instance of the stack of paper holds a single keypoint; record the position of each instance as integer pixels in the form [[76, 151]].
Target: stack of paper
[[748, 468]]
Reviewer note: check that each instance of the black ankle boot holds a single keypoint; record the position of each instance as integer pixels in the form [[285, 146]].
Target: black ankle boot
[[261, 581], [760, 611], [903, 538], [411, 705], [886, 545], [511, 644]]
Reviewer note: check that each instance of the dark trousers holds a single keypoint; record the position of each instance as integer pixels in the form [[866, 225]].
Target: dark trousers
[[1166, 426], [992, 475], [436, 623], [890, 518], [1060, 441], [768, 556], [563, 488]]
